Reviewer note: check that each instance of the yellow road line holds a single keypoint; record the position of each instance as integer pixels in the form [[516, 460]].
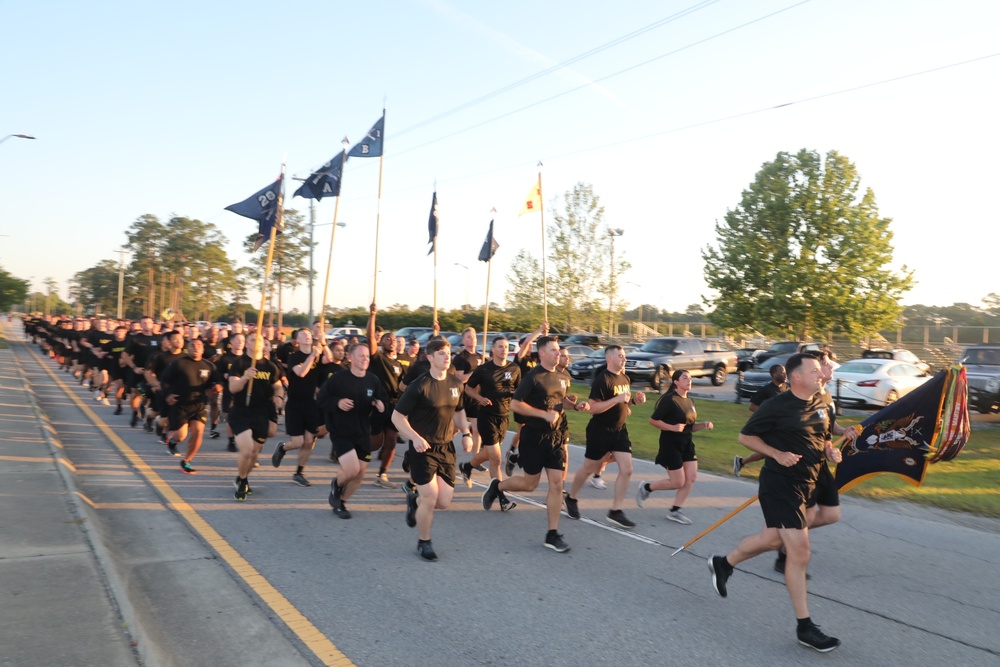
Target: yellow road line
[[315, 640]]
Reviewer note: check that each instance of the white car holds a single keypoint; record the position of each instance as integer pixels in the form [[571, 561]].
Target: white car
[[875, 381]]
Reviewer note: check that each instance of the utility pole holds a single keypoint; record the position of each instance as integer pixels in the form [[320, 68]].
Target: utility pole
[[121, 279], [613, 233]]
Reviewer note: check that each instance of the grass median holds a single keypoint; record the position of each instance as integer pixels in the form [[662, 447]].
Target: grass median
[[966, 484]]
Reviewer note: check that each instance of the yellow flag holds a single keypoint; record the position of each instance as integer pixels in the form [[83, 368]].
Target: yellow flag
[[533, 202]]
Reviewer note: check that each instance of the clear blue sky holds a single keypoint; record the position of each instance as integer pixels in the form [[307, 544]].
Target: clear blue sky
[[186, 107]]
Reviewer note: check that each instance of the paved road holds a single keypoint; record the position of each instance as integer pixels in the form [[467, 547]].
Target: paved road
[[286, 582]]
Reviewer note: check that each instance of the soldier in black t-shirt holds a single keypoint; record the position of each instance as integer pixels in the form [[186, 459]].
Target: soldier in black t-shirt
[[463, 363], [303, 418], [170, 351], [234, 350], [607, 435], [143, 346], [528, 361], [389, 371], [793, 431], [427, 414], [676, 418], [187, 384], [541, 399], [491, 386], [253, 419], [348, 400]]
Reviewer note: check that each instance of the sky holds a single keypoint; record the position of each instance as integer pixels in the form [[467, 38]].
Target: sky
[[668, 109]]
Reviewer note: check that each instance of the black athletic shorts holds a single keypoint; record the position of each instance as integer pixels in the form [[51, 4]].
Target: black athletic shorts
[[184, 414], [242, 419], [492, 428], [826, 493], [363, 447], [117, 372], [438, 460], [673, 457], [783, 500], [540, 450], [301, 417], [133, 378], [471, 409], [601, 440], [380, 421]]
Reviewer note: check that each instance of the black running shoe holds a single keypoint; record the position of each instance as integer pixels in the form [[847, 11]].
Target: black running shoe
[[148, 426], [508, 466], [118, 410], [241, 489], [506, 504], [135, 420], [172, 449], [279, 453], [554, 541], [721, 571], [334, 493], [426, 551], [411, 508], [491, 493], [214, 434], [231, 447], [466, 469], [301, 480], [618, 518], [814, 638], [572, 507], [187, 468], [342, 512]]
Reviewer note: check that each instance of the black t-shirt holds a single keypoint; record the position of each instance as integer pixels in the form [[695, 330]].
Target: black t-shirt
[[674, 409], [114, 349], [301, 389], [214, 351], [389, 372], [159, 363], [496, 383], [417, 368], [606, 386], [282, 353], [465, 361], [405, 361], [189, 379], [544, 390], [142, 348], [327, 371], [430, 405], [770, 390], [790, 424], [98, 339], [364, 391], [262, 395]]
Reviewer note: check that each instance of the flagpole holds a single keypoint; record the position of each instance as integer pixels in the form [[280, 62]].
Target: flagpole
[[746, 504], [435, 282], [258, 348], [378, 210], [545, 285], [486, 314], [333, 234]]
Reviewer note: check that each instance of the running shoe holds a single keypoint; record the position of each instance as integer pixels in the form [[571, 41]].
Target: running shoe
[[554, 541], [572, 506], [135, 420], [618, 518], [642, 494], [342, 512], [506, 504], [118, 410], [491, 493], [737, 465], [678, 517], [334, 493], [466, 469], [187, 468], [382, 479], [426, 551], [231, 446], [172, 448], [721, 571], [598, 483], [301, 480], [279, 453], [411, 508], [241, 489], [214, 434], [508, 467], [814, 638]]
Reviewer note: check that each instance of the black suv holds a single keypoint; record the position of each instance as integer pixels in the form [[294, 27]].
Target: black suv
[[982, 370], [788, 347], [658, 358]]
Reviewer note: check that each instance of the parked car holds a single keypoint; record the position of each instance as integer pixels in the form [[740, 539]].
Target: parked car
[[412, 332], [982, 369], [577, 351], [426, 336], [590, 340], [747, 358], [788, 347], [759, 376], [344, 332], [658, 358], [874, 381], [898, 355], [585, 369]]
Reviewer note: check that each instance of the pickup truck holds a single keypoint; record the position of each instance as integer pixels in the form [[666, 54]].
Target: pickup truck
[[788, 347], [982, 370], [658, 358]]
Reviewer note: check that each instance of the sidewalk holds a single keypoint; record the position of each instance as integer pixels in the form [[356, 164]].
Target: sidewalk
[[58, 610]]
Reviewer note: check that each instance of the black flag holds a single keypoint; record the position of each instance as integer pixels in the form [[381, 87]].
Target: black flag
[[432, 223], [490, 246]]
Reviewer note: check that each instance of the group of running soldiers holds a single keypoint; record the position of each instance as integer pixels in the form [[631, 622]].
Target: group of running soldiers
[[367, 396]]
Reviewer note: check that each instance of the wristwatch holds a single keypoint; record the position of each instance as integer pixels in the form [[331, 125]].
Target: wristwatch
[[467, 434]]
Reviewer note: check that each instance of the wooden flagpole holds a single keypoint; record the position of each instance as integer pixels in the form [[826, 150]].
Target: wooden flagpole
[[486, 308], [545, 284], [279, 217], [333, 234], [378, 210], [437, 230]]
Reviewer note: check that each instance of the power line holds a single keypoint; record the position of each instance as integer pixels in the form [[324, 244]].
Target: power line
[[586, 54], [604, 78]]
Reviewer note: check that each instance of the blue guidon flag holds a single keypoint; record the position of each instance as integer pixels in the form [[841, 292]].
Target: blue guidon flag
[[325, 181], [371, 145], [261, 206], [928, 425]]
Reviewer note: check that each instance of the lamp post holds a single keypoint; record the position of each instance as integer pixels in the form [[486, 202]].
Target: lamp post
[[613, 233], [467, 304], [19, 136]]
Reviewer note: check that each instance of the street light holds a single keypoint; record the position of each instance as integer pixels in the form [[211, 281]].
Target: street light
[[613, 233], [19, 136], [467, 304]]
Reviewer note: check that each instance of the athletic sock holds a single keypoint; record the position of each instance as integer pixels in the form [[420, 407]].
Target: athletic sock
[[298, 470], [647, 487], [675, 508]]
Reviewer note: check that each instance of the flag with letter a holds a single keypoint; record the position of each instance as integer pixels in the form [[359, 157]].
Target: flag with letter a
[[325, 181], [533, 202]]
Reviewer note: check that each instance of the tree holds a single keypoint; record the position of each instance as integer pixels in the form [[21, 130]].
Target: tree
[[288, 268], [12, 290], [579, 267], [96, 288], [804, 253]]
